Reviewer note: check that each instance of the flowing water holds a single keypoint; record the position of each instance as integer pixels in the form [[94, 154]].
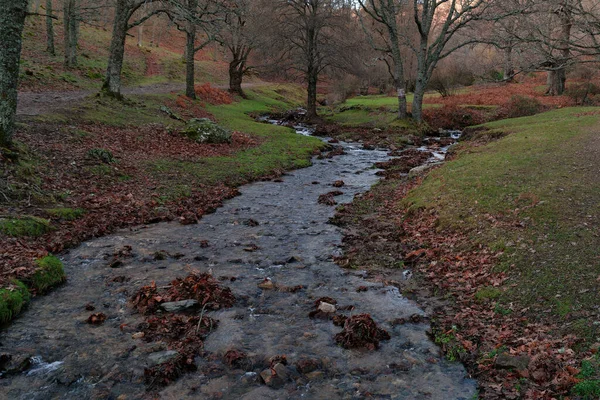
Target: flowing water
[[296, 246]]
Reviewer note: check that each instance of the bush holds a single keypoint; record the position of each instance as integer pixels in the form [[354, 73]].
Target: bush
[[12, 300], [520, 106], [101, 155], [24, 226], [50, 272], [452, 117], [583, 93], [203, 130]]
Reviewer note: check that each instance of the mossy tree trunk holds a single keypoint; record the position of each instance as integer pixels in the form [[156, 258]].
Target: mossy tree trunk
[[124, 10], [12, 20], [112, 81], [50, 48], [71, 28], [190, 54]]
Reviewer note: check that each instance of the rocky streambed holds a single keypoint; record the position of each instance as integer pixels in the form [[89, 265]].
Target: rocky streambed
[[274, 235]]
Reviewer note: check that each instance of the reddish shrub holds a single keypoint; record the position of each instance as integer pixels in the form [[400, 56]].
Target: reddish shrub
[[520, 106], [213, 95], [452, 117]]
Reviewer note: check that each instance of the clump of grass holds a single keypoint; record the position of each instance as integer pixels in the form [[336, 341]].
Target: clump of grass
[[487, 293], [25, 226], [68, 214], [12, 300], [49, 273], [102, 155]]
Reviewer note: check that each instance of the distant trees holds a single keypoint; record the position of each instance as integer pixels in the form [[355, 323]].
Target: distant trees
[[388, 14], [432, 37], [192, 17], [238, 34], [12, 20], [308, 37]]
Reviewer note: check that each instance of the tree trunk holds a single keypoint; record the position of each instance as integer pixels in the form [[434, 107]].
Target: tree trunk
[[50, 29], [556, 82], [140, 38], [190, 66], [509, 70], [421, 82], [311, 102], [236, 76], [12, 20], [112, 81], [71, 26]]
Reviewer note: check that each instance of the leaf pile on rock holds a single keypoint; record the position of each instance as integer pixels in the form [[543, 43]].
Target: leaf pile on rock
[[328, 198], [183, 334], [360, 331], [201, 287]]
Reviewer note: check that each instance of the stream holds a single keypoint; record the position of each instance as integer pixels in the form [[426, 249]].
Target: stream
[[292, 244]]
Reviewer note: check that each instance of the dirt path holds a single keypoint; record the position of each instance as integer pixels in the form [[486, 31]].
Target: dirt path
[[33, 103], [292, 244]]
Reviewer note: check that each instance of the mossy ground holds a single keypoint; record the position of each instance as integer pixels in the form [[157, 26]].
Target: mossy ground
[[24, 226], [49, 273], [12, 300]]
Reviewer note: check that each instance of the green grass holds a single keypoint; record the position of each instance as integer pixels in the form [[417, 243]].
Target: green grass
[[24, 226], [280, 149], [68, 214], [541, 177], [12, 300], [48, 274], [589, 386]]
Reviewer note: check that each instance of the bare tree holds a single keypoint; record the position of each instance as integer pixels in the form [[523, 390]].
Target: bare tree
[[309, 36], [437, 23], [122, 23], [71, 21], [238, 34], [387, 13], [190, 16], [12, 20]]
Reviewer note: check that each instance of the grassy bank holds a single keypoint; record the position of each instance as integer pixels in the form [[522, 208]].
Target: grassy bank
[[534, 196]]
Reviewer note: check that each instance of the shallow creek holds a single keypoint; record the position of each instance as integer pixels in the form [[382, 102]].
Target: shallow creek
[[296, 246]]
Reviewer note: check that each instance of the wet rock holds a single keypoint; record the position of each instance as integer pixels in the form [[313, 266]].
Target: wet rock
[[14, 364], [327, 308], [251, 222], [203, 130], [96, 319], [420, 170], [276, 376], [338, 184], [235, 358], [307, 365], [267, 284], [507, 361], [138, 335], [315, 375], [162, 357], [177, 306]]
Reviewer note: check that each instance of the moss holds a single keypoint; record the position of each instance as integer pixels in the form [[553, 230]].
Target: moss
[[487, 293], [25, 226], [48, 274], [68, 214], [588, 389], [12, 300]]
